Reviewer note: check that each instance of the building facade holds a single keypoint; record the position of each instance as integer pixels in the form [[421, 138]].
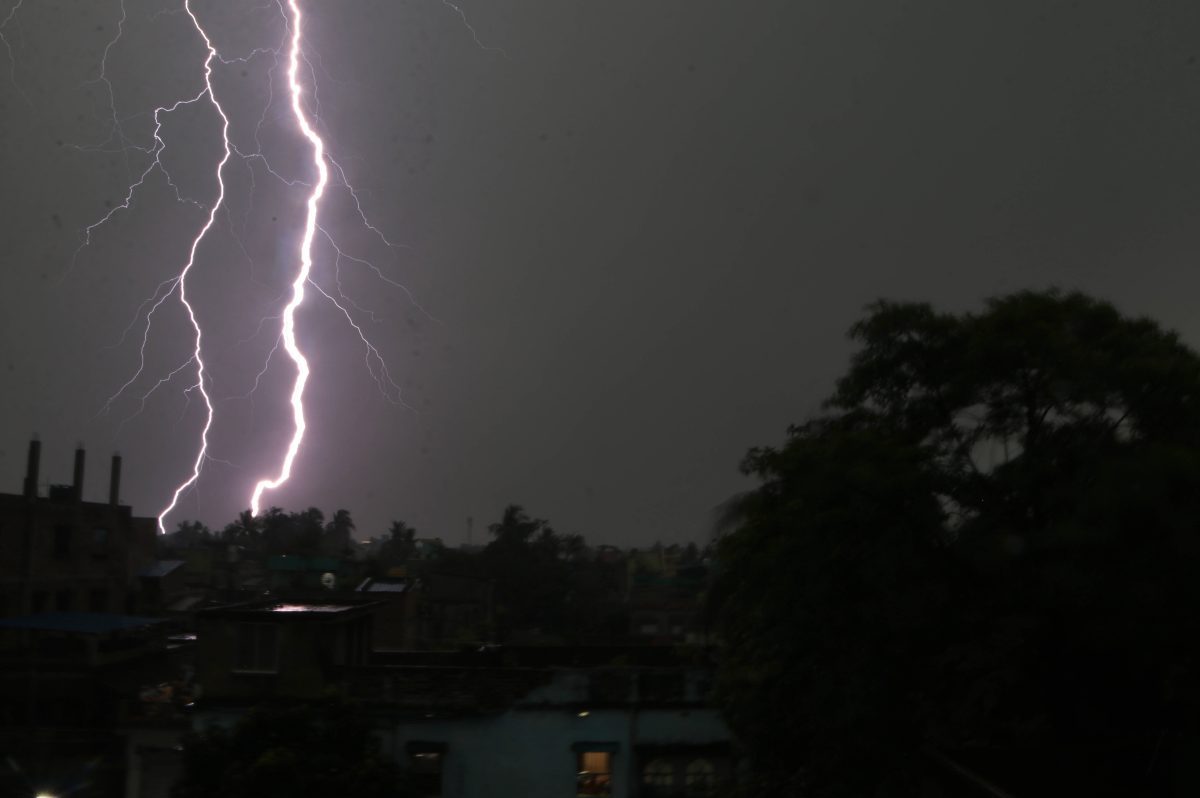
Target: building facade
[[62, 553]]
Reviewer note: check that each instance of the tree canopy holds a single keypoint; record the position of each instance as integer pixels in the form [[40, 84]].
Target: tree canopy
[[546, 588], [984, 542]]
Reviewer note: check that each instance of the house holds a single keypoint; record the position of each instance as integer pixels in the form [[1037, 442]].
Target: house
[[395, 623], [163, 583], [257, 650], [77, 689], [667, 607], [559, 721], [495, 721]]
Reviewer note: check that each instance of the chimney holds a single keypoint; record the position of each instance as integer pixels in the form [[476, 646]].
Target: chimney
[[31, 469], [77, 482], [114, 481]]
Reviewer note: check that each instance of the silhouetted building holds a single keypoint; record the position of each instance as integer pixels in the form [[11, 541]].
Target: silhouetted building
[[261, 649], [495, 721], [394, 625], [62, 553]]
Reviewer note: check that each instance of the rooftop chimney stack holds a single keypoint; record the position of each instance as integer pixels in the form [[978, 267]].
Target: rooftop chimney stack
[[114, 482], [31, 469], [77, 482]]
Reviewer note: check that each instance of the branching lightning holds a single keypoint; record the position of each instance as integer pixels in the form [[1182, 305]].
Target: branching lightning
[[305, 114], [199, 385]]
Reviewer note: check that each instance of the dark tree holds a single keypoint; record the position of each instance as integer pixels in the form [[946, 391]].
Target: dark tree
[[523, 560], [399, 545], [187, 535], [317, 749], [246, 531], [338, 536], [987, 543]]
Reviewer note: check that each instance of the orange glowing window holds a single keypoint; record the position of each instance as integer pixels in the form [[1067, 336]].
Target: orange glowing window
[[595, 774]]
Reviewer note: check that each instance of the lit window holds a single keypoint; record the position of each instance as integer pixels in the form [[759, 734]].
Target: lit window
[[257, 647], [700, 778], [658, 773], [595, 773]]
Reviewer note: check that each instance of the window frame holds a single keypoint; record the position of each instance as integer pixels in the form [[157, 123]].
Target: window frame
[[605, 782]]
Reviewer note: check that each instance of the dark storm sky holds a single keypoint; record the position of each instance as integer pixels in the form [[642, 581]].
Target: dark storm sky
[[638, 238]]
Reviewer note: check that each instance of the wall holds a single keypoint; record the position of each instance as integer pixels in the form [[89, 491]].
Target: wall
[[30, 568], [528, 751]]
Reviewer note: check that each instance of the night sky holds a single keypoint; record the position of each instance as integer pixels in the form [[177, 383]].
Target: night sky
[[635, 232]]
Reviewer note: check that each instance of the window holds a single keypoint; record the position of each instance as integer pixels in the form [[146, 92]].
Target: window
[[62, 542], [257, 648], [99, 542], [64, 600], [594, 775], [425, 761], [40, 599], [700, 778], [98, 599], [658, 775]]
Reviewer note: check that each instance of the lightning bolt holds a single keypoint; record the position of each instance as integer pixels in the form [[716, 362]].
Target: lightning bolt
[[9, 19], [302, 87], [310, 229], [199, 386]]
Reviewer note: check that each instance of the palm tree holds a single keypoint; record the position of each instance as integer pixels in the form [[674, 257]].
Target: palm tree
[[339, 532], [400, 544]]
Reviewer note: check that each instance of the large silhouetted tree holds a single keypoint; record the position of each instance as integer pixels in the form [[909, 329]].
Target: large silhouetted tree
[[987, 542]]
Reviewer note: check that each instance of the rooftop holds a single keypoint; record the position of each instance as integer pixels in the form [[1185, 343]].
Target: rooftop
[[97, 623], [386, 585], [161, 568], [263, 609]]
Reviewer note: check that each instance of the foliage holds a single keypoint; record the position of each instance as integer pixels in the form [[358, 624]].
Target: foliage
[[546, 584], [273, 532], [293, 751], [985, 540], [400, 544]]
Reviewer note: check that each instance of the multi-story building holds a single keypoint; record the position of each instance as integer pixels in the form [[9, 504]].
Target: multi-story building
[[64, 553]]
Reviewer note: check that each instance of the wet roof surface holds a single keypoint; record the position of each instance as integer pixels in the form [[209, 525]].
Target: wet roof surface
[[308, 608]]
